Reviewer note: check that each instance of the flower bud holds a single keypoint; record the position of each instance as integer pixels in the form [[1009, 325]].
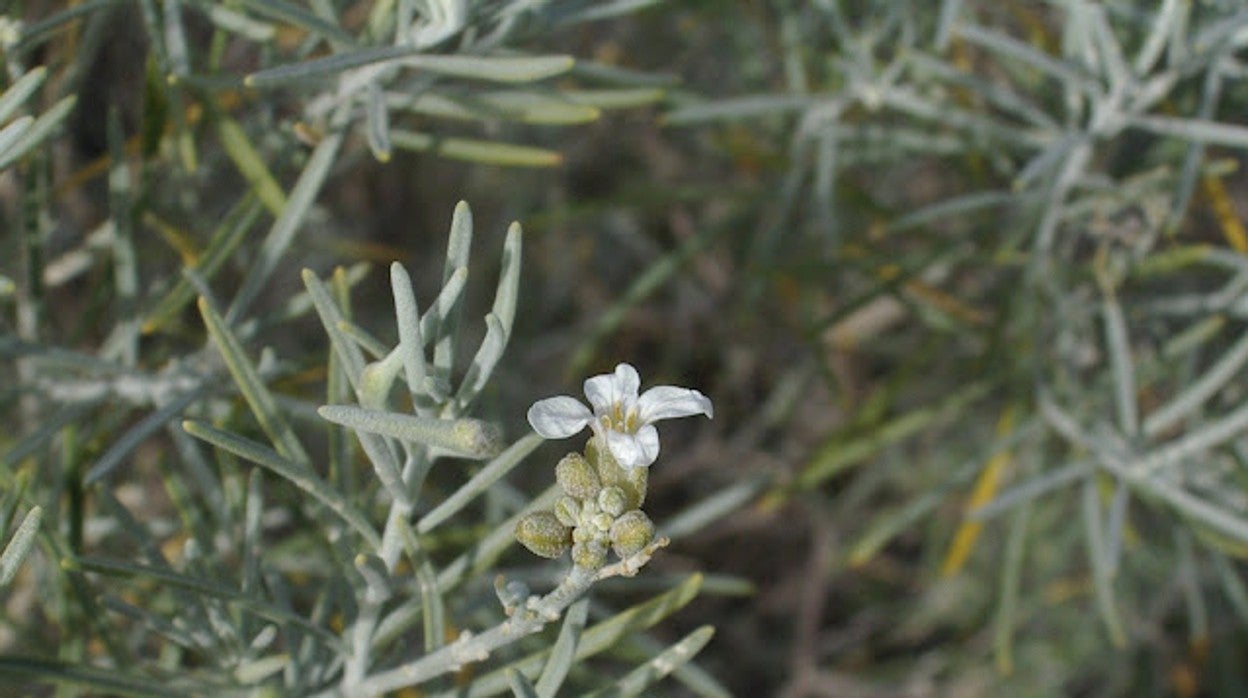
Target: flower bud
[[590, 555], [543, 534], [612, 500], [632, 482], [603, 522], [580, 534], [577, 477], [568, 511], [631, 533]]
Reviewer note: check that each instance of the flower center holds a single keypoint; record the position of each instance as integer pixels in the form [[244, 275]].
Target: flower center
[[620, 418]]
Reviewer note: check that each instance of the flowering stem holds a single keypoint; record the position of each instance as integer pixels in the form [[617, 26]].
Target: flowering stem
[[475, 648], [531, 618]]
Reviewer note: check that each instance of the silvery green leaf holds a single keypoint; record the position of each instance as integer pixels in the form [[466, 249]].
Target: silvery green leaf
[[445, 328], [19, 545], [251, 672], [33, 134], [491, 473], [226, 238], [299, 474], [615, 98], [48, 428], [251, 165], [286, 12], [1102, 574], [1198, 391], [282, 233], [524, 107], [463, 437], [638, 680], [135, 435], [432, 605], [231, 21], [411, 342], [494, 69], [1011, 577], [376, 578], [378, 118], [1198, 130], [736, 108], [329, 65], [483, 363], [563, 651], [474, 561], [12, 133], [577, 13], [253, 511], [445, 303], [713, 507], [105, 681], [508, 291], [252, 388], [20, 91], [331, 319], [474, 150], [521, 687], [201, 587], [1118, 346], [175, 38]]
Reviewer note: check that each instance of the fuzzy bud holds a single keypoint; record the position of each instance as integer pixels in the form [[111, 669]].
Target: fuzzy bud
[[580, 534], [631, 533], [612, 500], [590, 555], [602, 522], [577, 477], [632, 482], [568, 511], [543, 534]]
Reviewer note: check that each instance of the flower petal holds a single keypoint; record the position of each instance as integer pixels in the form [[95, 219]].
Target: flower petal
[[634, 450], [559, 417], [609, 389], [668, 401]]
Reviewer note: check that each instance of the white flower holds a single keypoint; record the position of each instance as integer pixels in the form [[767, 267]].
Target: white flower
[[621, 419]]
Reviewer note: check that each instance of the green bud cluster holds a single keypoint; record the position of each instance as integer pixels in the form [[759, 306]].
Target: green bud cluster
[[598, 512]]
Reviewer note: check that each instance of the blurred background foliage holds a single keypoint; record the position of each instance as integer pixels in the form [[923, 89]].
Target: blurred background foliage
[[964, 280]]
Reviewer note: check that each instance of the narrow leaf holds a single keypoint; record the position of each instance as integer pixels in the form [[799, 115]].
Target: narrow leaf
[[520, 686], [293, 14], [500, 69], [298, 474], [491, 473], [20, 91], [101, 681], [564, 650], [19, 545], [320, 67], [254, 391], [464, 437], [251, 165], [638, 680], [472, 150], [282, 233], [37, 131], [411, 341], [378, 116]]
